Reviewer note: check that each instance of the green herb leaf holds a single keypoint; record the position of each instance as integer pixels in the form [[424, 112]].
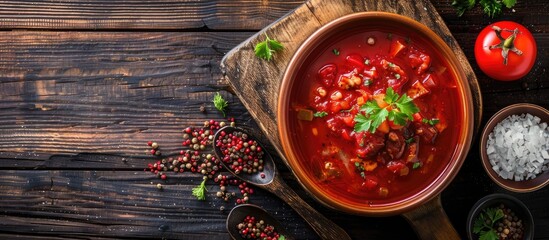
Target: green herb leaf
[[485, 222], [463, 5], [220, 103], [492, 8], [367, 62], [390, 96], [402, 108], [376, 116], [416, 165], [397, 76], [406, 106], [489, 235], [200, 191], [266, 48], [320, 114], [362, 123], [335, 51], [410, 140], [367, 82], [509, 3], [281, 237], [431, 122]]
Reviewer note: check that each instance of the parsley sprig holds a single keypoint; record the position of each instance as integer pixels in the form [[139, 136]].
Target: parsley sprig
[[220, 103], [484, 223], [399, 110], [491, 8], [266, 48], [200, 191]]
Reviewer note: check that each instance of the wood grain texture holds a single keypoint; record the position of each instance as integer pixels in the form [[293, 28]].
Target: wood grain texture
[[131, 14], [74, 92], [87, 83]]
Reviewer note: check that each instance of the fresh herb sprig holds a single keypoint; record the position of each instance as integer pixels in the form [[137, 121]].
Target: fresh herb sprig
[[266, 48], [200, 191], [484, 223], [220, 103], [491, 8], [399, 110], [320, 114]]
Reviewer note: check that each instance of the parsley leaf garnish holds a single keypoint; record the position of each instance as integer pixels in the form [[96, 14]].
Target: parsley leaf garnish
[[416, 165], [266, 48], [200, 191], [492, 8], [320, 114], [485, 222], [220, 103], [335, 51], [401, 110]]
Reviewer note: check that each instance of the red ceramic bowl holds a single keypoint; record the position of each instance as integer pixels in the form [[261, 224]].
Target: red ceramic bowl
[[293, 149]]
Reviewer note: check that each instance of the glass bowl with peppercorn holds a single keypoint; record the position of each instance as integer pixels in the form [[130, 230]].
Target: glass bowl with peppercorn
[[500, 216]]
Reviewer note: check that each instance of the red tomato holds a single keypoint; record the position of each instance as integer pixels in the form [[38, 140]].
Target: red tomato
[[505, 38]]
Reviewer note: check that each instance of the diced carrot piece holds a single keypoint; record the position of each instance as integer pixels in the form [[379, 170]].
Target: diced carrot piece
[[315, 131], [379, 99], [396, 47], [369, 165], [360, 101], [384, 127], [404, 171], [349, 120], [417, 90], [395, 126], [344, 105]]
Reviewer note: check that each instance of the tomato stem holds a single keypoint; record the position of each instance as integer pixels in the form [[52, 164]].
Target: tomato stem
[[506, 44]]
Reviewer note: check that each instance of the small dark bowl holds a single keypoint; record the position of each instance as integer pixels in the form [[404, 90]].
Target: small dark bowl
[[509, 201], [515, 186]]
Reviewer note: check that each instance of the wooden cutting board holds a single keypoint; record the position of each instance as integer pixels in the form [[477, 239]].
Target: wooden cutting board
[[256, 82]]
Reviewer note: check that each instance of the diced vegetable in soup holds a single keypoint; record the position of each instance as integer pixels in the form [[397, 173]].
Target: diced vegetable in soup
[[379, 119]]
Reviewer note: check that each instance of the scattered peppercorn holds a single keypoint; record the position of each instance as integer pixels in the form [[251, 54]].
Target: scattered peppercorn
[[199, 158]]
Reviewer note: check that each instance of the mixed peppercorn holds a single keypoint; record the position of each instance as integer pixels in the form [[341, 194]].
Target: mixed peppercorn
[[251, 228], [242, 154]]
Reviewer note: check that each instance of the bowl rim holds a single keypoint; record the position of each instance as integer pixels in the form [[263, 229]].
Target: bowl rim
[[495, 197], [489, 127], [448, 172]]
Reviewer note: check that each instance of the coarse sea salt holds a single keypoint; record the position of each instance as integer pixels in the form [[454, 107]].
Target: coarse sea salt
[[518, 148]]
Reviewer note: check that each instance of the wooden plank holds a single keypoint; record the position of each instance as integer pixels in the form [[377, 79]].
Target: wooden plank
[[130, 14], [246, 73], [108, 92], [111, 204]]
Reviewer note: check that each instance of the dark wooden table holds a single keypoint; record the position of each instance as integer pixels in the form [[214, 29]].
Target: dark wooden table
[[85, 84]]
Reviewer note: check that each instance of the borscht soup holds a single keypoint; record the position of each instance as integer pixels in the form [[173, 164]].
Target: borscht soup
[[376, 114]]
